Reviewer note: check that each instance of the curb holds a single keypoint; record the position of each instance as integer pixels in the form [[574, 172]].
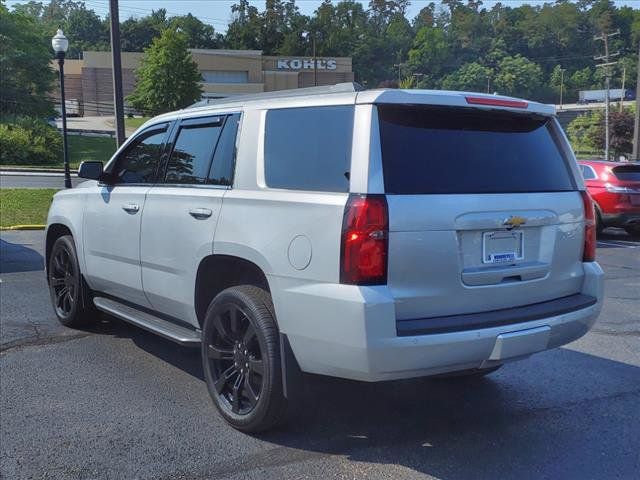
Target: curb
[[23, 227]]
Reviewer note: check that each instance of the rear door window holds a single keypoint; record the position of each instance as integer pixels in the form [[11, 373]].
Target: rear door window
[[448, 150], [309, 148], [193, 150]]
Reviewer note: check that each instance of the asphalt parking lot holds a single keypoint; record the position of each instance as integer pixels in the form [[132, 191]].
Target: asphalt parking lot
[[118, 402]]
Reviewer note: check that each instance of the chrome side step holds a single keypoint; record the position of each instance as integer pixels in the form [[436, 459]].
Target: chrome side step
[[182, 335]]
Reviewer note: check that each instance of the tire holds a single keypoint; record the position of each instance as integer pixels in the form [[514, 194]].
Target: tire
[[241, 359], [68, 292], [599, 224], [634, 231], [468, 374]]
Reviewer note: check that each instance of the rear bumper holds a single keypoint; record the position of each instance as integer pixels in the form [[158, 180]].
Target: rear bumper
[[350, 332]]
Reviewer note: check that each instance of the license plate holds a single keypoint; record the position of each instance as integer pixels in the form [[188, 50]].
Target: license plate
[[502, 247]]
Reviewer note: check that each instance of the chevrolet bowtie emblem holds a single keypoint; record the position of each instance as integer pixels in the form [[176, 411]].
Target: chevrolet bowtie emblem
[[514, 221]]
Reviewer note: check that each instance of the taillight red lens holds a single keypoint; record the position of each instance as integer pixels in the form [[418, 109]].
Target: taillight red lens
[[589, 252], [497, 102], [365, 240]]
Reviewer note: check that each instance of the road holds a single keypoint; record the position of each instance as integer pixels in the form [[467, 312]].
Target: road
[[117, 402], [35, 180]]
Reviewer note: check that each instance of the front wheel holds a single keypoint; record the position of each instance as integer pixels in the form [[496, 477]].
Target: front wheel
[[66, 286], [241, 358]]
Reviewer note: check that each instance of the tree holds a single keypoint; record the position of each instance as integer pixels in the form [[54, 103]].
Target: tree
[[25, 75], [430, 51], [167, 78], [518, 76], [471, 77], [620, 133], [138, 34]]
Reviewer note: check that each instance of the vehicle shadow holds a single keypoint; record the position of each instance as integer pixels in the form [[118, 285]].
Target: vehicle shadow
[[559, 414], [15, 257]]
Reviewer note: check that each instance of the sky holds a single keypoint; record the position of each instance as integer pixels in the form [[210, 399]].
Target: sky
[[218, 12]]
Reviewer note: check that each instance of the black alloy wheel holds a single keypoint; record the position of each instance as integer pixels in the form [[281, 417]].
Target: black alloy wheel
[[241, 358], [69, 295], [63, 281], [236, 360]]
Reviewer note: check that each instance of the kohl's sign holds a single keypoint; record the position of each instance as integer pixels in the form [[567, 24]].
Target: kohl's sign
[[304, 64]]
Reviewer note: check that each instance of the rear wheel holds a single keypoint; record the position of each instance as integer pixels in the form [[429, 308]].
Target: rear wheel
[[241, 359], [66, 287], [633, 230], [599, 223]]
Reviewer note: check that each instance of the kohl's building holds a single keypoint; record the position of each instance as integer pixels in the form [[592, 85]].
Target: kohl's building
[[224, 73]]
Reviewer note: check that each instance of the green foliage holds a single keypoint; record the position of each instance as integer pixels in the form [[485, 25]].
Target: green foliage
[[168, 77], [518, 76], [407, 83], [25, 75], [454, 43], [583, 132], [471, 77], [28, 141], [587, 132], [620, 134]]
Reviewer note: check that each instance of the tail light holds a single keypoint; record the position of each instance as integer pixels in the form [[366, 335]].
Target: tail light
[[589, 252], [365, 241]]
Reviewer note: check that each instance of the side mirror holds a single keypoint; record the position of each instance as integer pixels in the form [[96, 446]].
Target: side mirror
[[90, 170]]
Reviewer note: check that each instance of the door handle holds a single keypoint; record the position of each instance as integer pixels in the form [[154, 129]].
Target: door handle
[[131, 208], [200, 213]]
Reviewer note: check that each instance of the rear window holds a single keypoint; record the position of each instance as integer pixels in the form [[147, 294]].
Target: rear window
[[627, 173], [465, 150], [309, 148]]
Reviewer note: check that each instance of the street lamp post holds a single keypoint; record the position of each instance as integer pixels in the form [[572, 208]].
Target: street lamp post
[[312, 34], [60, 45]]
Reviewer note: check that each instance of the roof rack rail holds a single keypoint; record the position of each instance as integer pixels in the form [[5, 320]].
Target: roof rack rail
[[296, 92]]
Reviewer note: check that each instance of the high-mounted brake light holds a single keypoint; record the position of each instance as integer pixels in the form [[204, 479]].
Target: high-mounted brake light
[[497, 102], [365, 240], [589, 251]]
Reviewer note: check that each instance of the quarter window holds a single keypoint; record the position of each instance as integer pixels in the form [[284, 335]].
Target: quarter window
[[309, 148], [138, 163], [221, 172]]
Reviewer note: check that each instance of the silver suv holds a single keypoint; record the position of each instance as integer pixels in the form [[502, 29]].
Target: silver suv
[[369, 235]]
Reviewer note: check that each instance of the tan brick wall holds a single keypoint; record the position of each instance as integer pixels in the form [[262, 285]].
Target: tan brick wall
[[91, 79]]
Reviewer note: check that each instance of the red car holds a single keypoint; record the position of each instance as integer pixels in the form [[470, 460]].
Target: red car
[[615, 189]]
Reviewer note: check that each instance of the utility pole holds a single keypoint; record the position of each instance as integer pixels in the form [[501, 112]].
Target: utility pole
[[399, 66], [562, 70], [624, 75], [315, 62], [636, 123], [116, 65], [607, 72]]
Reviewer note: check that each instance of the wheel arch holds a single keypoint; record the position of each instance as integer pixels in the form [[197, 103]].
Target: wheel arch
[[220, 271], [54, 231]]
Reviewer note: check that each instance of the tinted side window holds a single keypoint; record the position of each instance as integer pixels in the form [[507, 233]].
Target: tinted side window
[[221, 172], [192, 153], [451, 150], [138, 163], [309, 148]]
